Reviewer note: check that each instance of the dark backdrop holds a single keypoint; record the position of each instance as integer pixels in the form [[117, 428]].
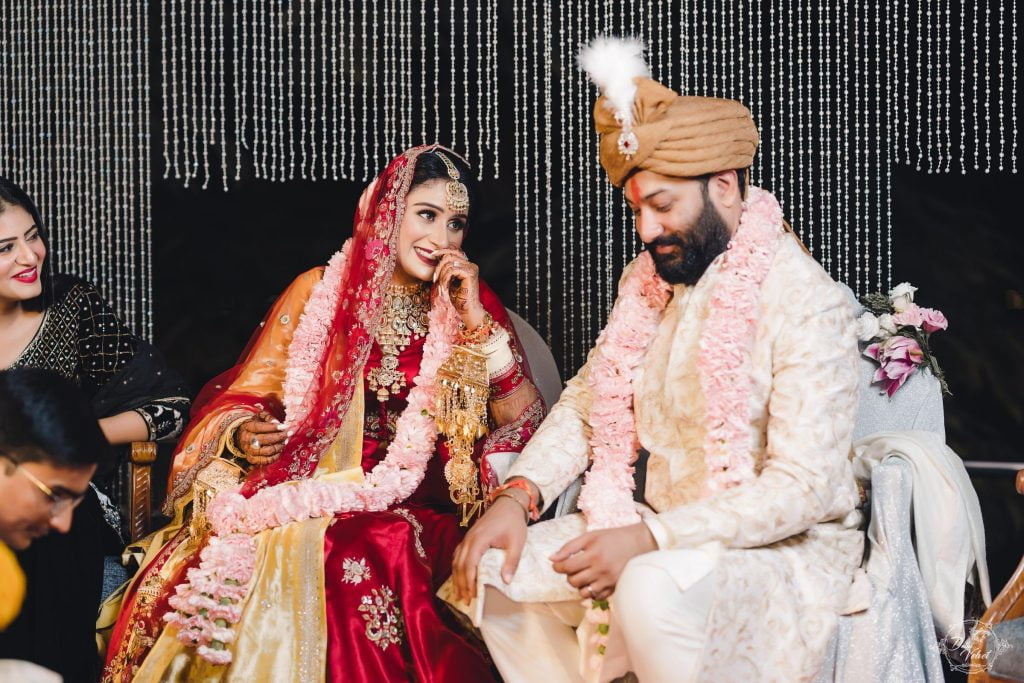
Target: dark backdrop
[[221, 258]]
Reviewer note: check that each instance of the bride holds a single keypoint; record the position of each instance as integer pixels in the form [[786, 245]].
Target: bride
[[316, 508]]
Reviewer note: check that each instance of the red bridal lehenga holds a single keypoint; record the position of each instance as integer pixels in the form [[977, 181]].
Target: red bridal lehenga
[[350, 596]]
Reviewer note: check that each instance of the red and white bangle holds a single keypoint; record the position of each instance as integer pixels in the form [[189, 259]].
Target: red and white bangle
[[504, 366], [498, 349]]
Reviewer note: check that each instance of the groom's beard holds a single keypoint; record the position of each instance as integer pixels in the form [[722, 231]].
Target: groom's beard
[[693, 252]]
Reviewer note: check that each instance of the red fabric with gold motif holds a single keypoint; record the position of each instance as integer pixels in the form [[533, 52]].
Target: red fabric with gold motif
[[406, 550]]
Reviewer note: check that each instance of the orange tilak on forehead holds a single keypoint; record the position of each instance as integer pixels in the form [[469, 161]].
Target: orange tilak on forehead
[[633, 190]]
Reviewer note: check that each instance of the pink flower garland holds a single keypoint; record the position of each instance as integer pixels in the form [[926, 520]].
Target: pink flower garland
[[723, 362], [307, 345], [606, 498], [723, 367], [209, 603]]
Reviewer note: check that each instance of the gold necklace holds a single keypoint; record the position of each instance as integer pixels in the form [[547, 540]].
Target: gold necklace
[[404, 318]]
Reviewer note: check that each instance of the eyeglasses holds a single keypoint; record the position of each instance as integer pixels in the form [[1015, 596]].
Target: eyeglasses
[[59, 502]]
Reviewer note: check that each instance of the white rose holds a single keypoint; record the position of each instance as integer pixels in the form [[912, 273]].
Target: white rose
[[867, 326], [887, 324], [901, 296]]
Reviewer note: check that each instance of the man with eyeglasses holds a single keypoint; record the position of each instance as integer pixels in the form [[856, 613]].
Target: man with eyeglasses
[[50, 446]]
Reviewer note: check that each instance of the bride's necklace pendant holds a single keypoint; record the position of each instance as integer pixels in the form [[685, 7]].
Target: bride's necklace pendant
[[404, 318]]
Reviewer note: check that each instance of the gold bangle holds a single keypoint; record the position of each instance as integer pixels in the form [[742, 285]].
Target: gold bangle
[[507, 493], [232, 445], [531, 508], [479, 334]]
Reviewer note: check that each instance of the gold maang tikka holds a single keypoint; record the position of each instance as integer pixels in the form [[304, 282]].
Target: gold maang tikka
[[456, 193]]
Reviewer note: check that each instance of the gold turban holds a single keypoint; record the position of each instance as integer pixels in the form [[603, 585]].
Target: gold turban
[[675, 135]]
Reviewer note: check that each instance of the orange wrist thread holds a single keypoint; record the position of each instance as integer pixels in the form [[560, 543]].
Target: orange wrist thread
[[532, 511]]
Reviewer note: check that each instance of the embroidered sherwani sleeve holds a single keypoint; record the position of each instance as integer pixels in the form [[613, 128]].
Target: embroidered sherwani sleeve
[[806, 477], [559, 451]]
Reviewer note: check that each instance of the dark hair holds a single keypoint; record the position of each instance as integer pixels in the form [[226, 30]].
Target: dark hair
[[45, 418], [430, 167], [12, 195], [741, 175]]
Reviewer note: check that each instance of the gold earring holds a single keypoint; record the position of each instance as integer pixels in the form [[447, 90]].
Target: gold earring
[[456, 193]]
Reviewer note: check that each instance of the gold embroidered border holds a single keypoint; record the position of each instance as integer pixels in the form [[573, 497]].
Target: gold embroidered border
[[417, 529]]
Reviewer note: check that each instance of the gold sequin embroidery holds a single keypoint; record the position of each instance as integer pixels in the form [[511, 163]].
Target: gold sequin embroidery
[[417, 529], [384, 623], [356, 571]]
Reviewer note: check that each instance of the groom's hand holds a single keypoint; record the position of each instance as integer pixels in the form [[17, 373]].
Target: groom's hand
[[502, 526], [594, 561]]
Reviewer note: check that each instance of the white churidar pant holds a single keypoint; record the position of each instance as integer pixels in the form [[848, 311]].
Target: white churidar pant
[[658, 627]]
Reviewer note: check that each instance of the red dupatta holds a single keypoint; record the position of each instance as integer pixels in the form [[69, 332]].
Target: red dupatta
[[228, 398], [358, 307], [364, 280]]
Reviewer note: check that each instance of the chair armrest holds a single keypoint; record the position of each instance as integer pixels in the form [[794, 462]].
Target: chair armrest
[[1009, 604], [140, 493]]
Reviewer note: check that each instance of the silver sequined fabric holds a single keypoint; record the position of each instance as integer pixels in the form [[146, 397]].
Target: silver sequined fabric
[[894, 639]]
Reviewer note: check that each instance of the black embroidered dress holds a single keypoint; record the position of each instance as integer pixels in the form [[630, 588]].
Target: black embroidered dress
[[83, 339]]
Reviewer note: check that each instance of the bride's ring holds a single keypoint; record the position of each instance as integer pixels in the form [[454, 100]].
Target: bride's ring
[[255, 443], [590, 593]]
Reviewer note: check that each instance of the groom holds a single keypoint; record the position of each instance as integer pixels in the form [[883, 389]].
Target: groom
[[743, 395]]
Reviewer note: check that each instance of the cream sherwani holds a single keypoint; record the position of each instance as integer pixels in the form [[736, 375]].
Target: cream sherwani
[[762, 569]]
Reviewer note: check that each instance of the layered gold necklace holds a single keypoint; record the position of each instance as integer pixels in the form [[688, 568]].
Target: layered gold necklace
[[404, 318]]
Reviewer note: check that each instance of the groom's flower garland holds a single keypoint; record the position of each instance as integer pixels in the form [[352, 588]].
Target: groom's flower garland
[[209, 603], [722, 364], [606, 498]]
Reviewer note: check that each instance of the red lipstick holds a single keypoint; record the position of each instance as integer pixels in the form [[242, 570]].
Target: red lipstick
[[27, 276], [428, 261]]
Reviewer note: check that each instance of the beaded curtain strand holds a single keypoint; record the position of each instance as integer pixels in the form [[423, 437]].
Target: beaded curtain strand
[[330, 89], [75, 133], [839, 91], [300, 87]]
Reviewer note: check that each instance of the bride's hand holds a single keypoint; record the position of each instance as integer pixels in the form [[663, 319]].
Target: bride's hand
[[459, 278], [261, 439]]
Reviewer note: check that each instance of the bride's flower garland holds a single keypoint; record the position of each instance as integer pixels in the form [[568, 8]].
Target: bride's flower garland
[[209, 603], [723, 368]]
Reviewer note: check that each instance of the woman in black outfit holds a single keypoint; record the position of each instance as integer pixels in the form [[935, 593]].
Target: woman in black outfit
[[62, 323]]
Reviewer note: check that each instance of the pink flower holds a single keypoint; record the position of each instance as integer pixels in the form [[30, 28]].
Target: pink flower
[[912, 316], [933, 320], [898, 357], [226, 511], [214, 656], [374, 249], [222, 635], [309, 342], [725, 342]]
